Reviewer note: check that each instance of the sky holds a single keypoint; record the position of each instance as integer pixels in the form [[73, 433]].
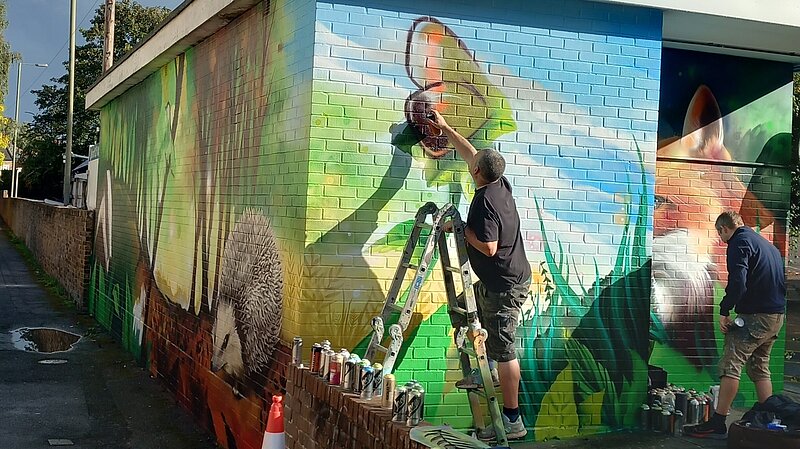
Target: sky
[[39, 30]]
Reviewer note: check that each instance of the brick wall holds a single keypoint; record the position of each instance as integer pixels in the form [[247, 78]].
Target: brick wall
[[568, 92], [201, 212], [59, 237], [319, 416]]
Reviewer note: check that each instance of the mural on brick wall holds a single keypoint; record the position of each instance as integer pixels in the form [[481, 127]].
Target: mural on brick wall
[[725, 143], [575, 116], [195, 221], [246, 199]]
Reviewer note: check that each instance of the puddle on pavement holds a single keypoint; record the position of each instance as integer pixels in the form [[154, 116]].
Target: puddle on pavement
[[43, 339]]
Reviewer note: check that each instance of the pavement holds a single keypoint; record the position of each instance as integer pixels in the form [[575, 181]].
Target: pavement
[[98, 399]]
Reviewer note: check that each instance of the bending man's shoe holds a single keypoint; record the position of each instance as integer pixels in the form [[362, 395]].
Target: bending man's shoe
[[714, 428]]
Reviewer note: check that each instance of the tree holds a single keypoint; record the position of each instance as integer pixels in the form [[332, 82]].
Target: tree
[[44, 141], [6, 56]]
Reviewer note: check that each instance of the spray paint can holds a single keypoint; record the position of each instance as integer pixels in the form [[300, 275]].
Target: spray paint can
[[367, 378], [415, 408], [704, 415], [348, 373], [389, 386], [679, 423], [316, 358], [399, 407], [693, 417], [738, 323], [325, 365], [644, 418], [666, 418], [714, 393], [655, 417], [669, 399], [682, 402], [297, 351], [335, 370], [357, 385], [377, 381]]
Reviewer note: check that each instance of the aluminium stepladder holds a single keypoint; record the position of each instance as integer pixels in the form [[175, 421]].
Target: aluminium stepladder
[[438, 237]]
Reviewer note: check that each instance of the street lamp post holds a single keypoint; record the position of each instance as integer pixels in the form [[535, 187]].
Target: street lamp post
[[70, 103], [14, 179]]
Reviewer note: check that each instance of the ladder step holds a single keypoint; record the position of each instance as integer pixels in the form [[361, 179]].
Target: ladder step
[[459, 310], [473, 388], [469, 352], [381, 348], [425, 226], [394, 307], [452, 269], [410, 266]]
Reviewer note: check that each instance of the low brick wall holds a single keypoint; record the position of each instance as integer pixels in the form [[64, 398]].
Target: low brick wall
[[59, 237], [319, 416]]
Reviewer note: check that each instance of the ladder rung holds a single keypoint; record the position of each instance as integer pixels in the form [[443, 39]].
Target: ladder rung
[[394, 307], [425, 226], [381, 348], [410, 266], [469, 352], [459, 310], [452, 269]]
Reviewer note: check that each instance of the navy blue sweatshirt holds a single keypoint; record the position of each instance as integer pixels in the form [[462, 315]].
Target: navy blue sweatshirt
[[756, 282]]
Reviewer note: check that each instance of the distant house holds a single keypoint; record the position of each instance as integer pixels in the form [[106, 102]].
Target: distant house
[[6, 159]]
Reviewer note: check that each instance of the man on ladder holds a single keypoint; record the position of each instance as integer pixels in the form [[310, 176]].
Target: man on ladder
[[497, 255]]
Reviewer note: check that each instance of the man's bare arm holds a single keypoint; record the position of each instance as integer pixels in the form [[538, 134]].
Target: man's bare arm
[[489, 249], [462, 145]]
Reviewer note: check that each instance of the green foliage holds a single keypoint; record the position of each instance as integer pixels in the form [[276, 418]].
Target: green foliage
[[44, 142], [6, 56], [584, 352]]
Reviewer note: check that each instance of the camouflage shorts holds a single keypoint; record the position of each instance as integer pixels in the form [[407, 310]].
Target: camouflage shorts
[[499, 315], [750, 345]]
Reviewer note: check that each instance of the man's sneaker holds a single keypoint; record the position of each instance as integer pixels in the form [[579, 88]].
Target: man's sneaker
[[474, 381], [514, 430], [709, 429]]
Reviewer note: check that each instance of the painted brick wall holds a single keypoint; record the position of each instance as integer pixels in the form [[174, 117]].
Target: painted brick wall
[[724, 144], [568, 92], [60, 239], [201, 211]]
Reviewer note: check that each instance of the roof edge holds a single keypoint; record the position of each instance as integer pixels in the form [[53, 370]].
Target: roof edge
[[190, 23]]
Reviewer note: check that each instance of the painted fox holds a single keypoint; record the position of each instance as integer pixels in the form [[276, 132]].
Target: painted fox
[[693, 186]]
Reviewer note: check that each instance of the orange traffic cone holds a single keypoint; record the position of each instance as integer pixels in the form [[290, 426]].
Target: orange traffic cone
[[274, 438]]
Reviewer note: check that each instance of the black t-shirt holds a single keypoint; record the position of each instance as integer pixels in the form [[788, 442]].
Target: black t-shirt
[[492, 217]]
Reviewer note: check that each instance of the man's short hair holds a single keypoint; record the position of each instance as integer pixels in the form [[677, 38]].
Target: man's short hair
[[491, 164], [729, 219]]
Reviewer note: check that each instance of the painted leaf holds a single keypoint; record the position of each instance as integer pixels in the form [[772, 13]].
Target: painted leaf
[[558, 416]]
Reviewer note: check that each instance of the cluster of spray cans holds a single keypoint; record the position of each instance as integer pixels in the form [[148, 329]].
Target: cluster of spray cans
[[408, 405], [355, 375], [669, 409]]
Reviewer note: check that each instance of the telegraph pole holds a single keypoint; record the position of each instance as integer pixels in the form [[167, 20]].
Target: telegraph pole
[[16, 131], [108, 41], [71, 103]]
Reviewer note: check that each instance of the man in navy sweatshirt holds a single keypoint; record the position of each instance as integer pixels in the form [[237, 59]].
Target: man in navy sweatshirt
[[757, 292]]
